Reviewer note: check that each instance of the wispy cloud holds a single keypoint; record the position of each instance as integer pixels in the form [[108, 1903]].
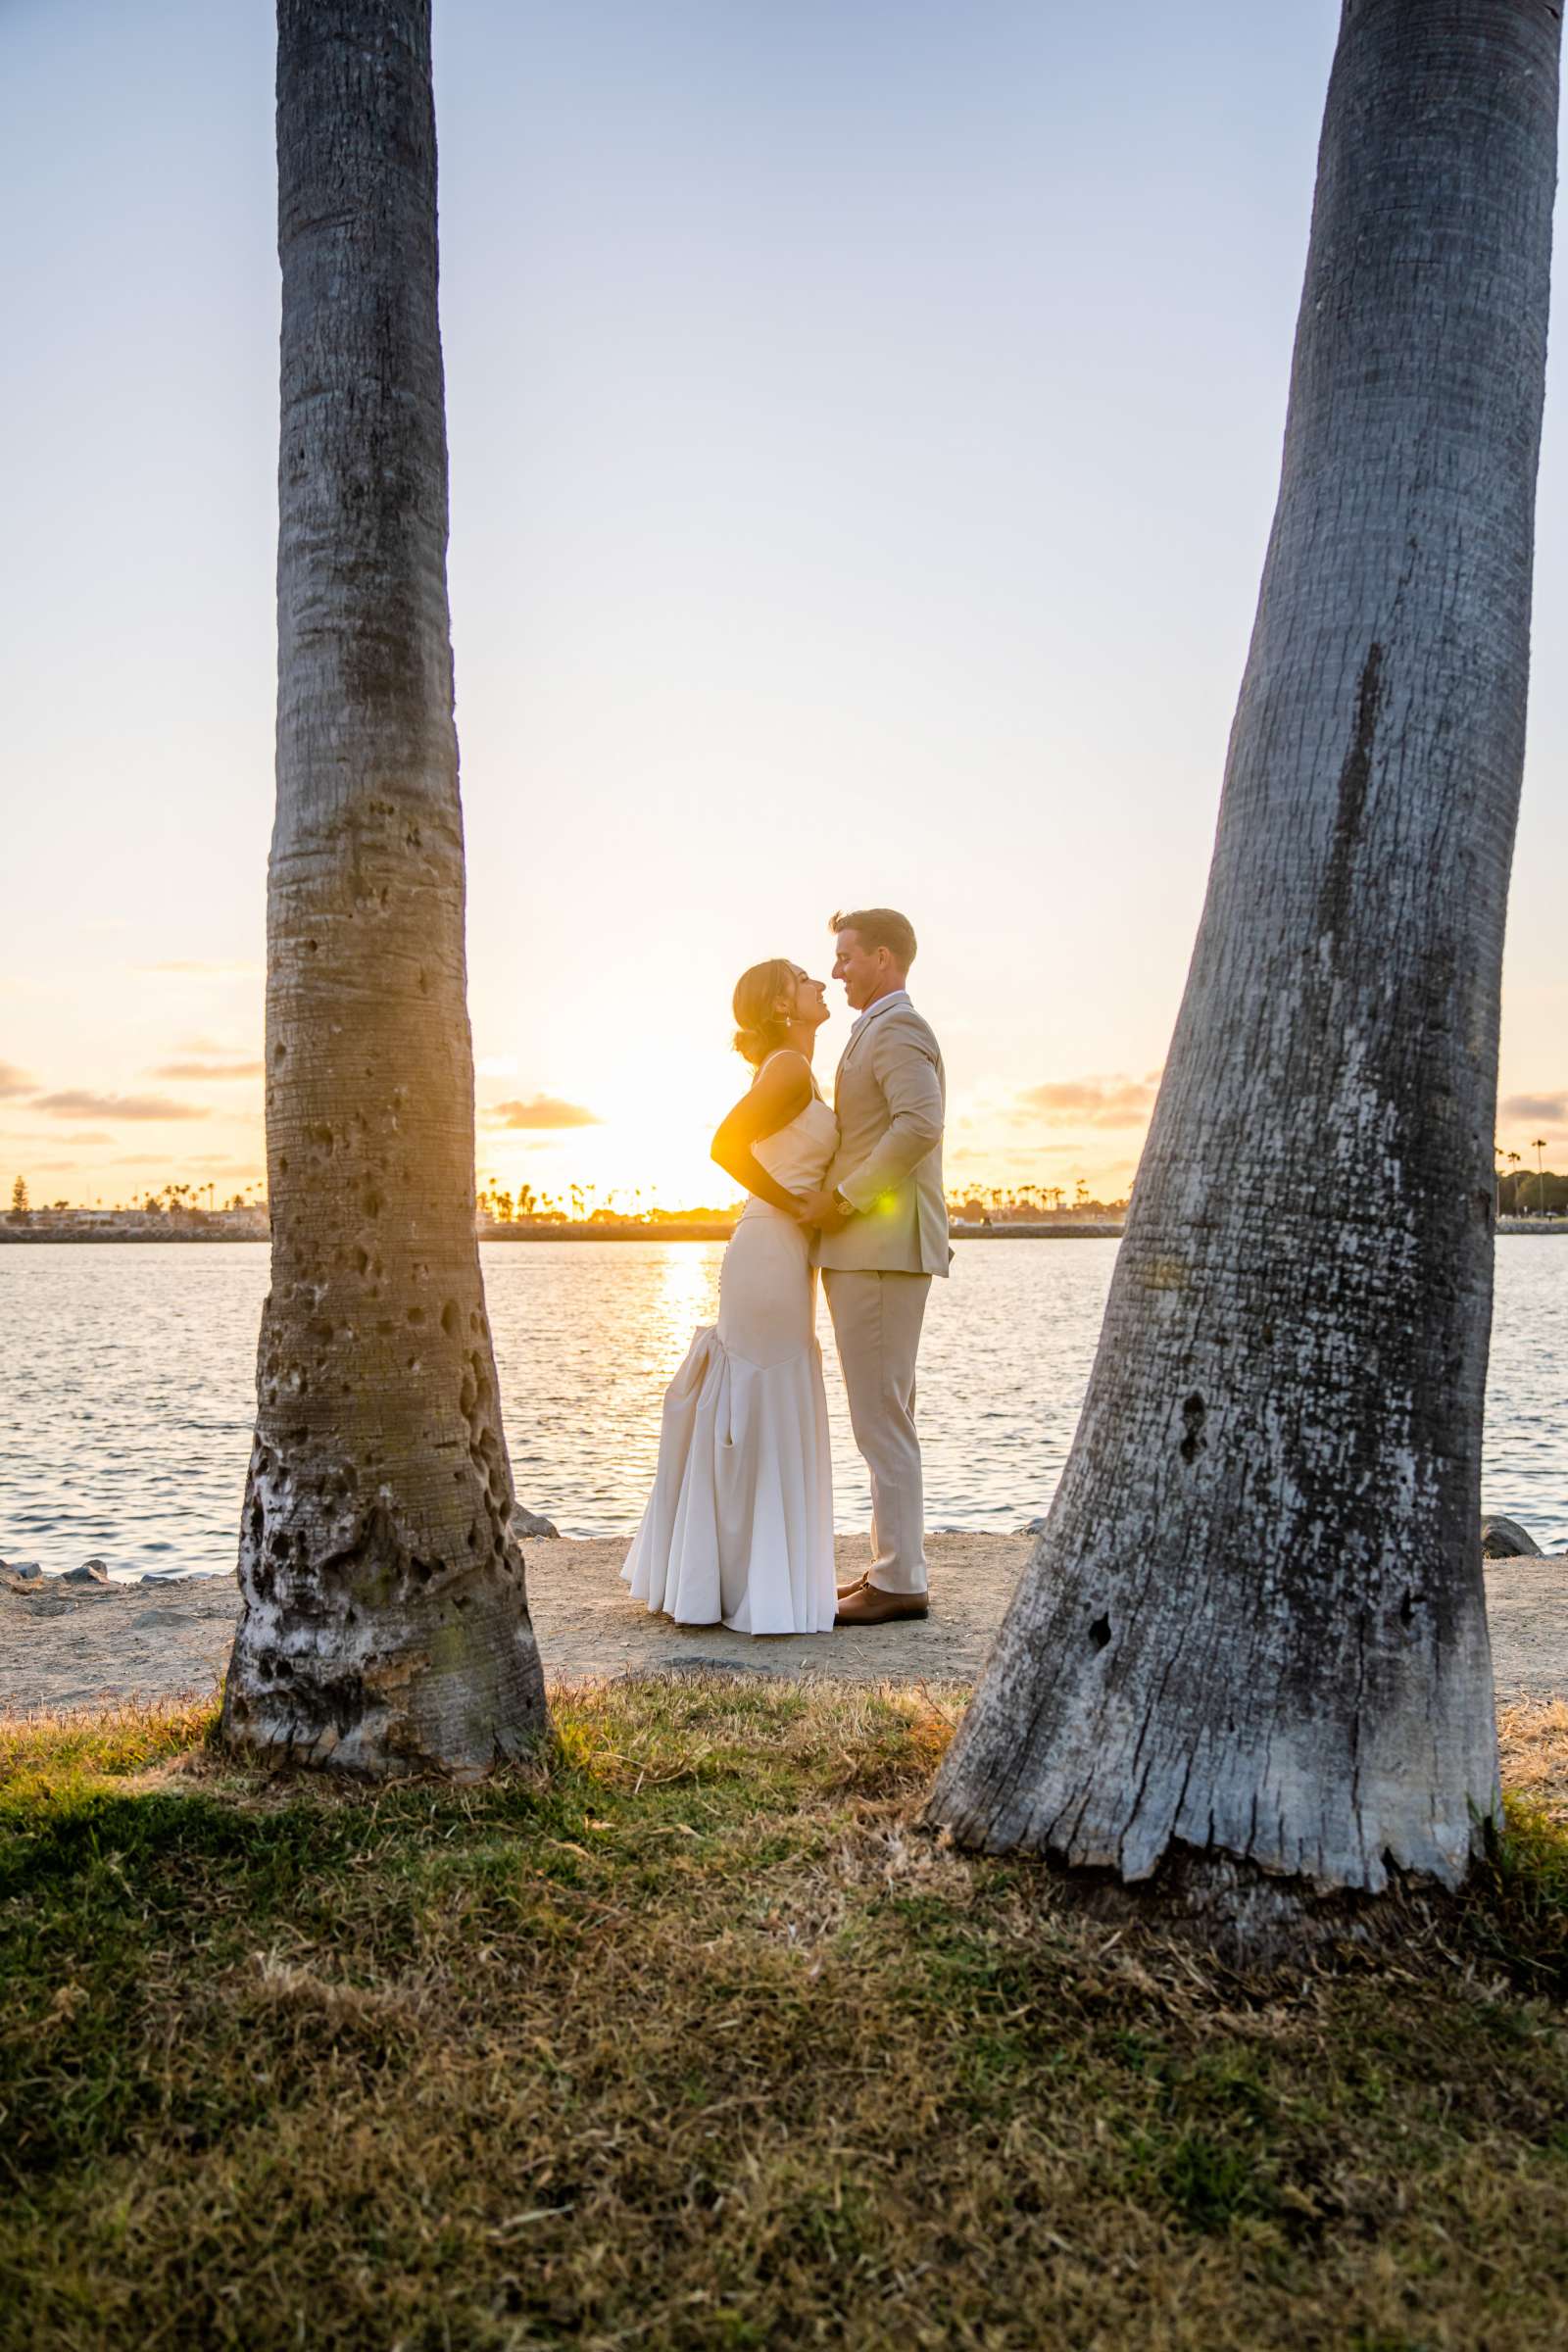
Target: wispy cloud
[[187, 969], [92, 1135], [208, 1069], [216, 1163], [77, 1103], [16, 1082], [1090, 1102], [1025, 1156], [1535, 1106], [539, 1112], [983, 1153]]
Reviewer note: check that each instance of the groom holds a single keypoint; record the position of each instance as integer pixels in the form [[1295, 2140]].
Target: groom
[[883, 1225]]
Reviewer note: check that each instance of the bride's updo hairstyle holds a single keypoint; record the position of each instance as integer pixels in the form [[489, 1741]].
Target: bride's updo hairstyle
[[758, 1029]]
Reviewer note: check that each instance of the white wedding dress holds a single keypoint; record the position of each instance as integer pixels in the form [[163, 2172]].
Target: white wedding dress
[[739, 1526]]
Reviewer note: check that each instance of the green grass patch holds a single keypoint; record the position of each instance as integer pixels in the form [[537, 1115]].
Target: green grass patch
[[686, 2038]]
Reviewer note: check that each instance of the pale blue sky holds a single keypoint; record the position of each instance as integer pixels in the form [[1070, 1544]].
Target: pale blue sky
[[864, 424]]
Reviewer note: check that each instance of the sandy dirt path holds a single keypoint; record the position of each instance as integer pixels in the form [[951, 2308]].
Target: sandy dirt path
[[73, 1646]]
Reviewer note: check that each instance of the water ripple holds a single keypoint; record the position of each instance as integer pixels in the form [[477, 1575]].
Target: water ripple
[[127, 1401]]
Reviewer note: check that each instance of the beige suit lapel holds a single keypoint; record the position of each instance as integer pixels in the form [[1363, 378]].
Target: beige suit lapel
[[857, 1038], [844, 1064], [845, 1060]]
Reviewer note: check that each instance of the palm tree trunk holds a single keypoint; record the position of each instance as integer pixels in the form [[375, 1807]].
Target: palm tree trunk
[[384, 1625], [1250, 1647]]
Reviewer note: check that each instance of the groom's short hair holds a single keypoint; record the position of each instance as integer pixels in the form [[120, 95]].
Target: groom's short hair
[[880, 928]]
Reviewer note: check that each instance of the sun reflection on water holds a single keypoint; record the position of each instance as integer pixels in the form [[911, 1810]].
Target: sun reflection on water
[[686, 1296], [130, 1435]]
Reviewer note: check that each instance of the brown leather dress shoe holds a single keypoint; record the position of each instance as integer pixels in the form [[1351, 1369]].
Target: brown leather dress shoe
[[868, 1605], [860, 1581]]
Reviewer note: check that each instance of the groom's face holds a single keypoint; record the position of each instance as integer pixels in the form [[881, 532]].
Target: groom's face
[[863, 970]]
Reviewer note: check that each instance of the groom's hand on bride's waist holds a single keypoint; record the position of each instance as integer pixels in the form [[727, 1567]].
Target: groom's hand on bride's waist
[[825, 1211]]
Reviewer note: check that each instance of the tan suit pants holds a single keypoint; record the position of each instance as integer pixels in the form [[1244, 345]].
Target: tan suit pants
[[877, 1322]]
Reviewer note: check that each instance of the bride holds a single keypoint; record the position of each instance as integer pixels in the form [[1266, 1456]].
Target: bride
[[739, 1526]]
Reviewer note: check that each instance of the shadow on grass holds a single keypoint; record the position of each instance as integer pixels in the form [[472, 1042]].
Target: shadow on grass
[[684, 2038]]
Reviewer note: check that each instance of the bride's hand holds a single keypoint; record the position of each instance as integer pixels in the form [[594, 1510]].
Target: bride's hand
[[821, 1210]]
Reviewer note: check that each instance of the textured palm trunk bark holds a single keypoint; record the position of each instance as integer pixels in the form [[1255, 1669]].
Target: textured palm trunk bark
[[384, 1626], [1253, 1638]]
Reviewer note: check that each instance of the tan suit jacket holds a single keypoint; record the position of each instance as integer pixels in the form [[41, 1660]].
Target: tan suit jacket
[[890, 1097]]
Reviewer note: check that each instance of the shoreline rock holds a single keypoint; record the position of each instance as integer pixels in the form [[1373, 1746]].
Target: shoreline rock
[[1506, 1540], [535, 1524]]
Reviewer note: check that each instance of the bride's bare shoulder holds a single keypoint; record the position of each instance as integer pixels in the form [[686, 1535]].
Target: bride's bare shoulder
[[783, 1083], [779, 1093]]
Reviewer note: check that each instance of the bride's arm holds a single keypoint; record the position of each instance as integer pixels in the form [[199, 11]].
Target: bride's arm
[[779, 1095]]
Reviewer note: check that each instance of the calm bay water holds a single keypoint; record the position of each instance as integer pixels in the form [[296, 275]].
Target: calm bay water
[[125, 1401]]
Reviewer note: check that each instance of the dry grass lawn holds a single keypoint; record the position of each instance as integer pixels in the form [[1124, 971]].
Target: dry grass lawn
[[1534, 1737], [685, 2039]]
